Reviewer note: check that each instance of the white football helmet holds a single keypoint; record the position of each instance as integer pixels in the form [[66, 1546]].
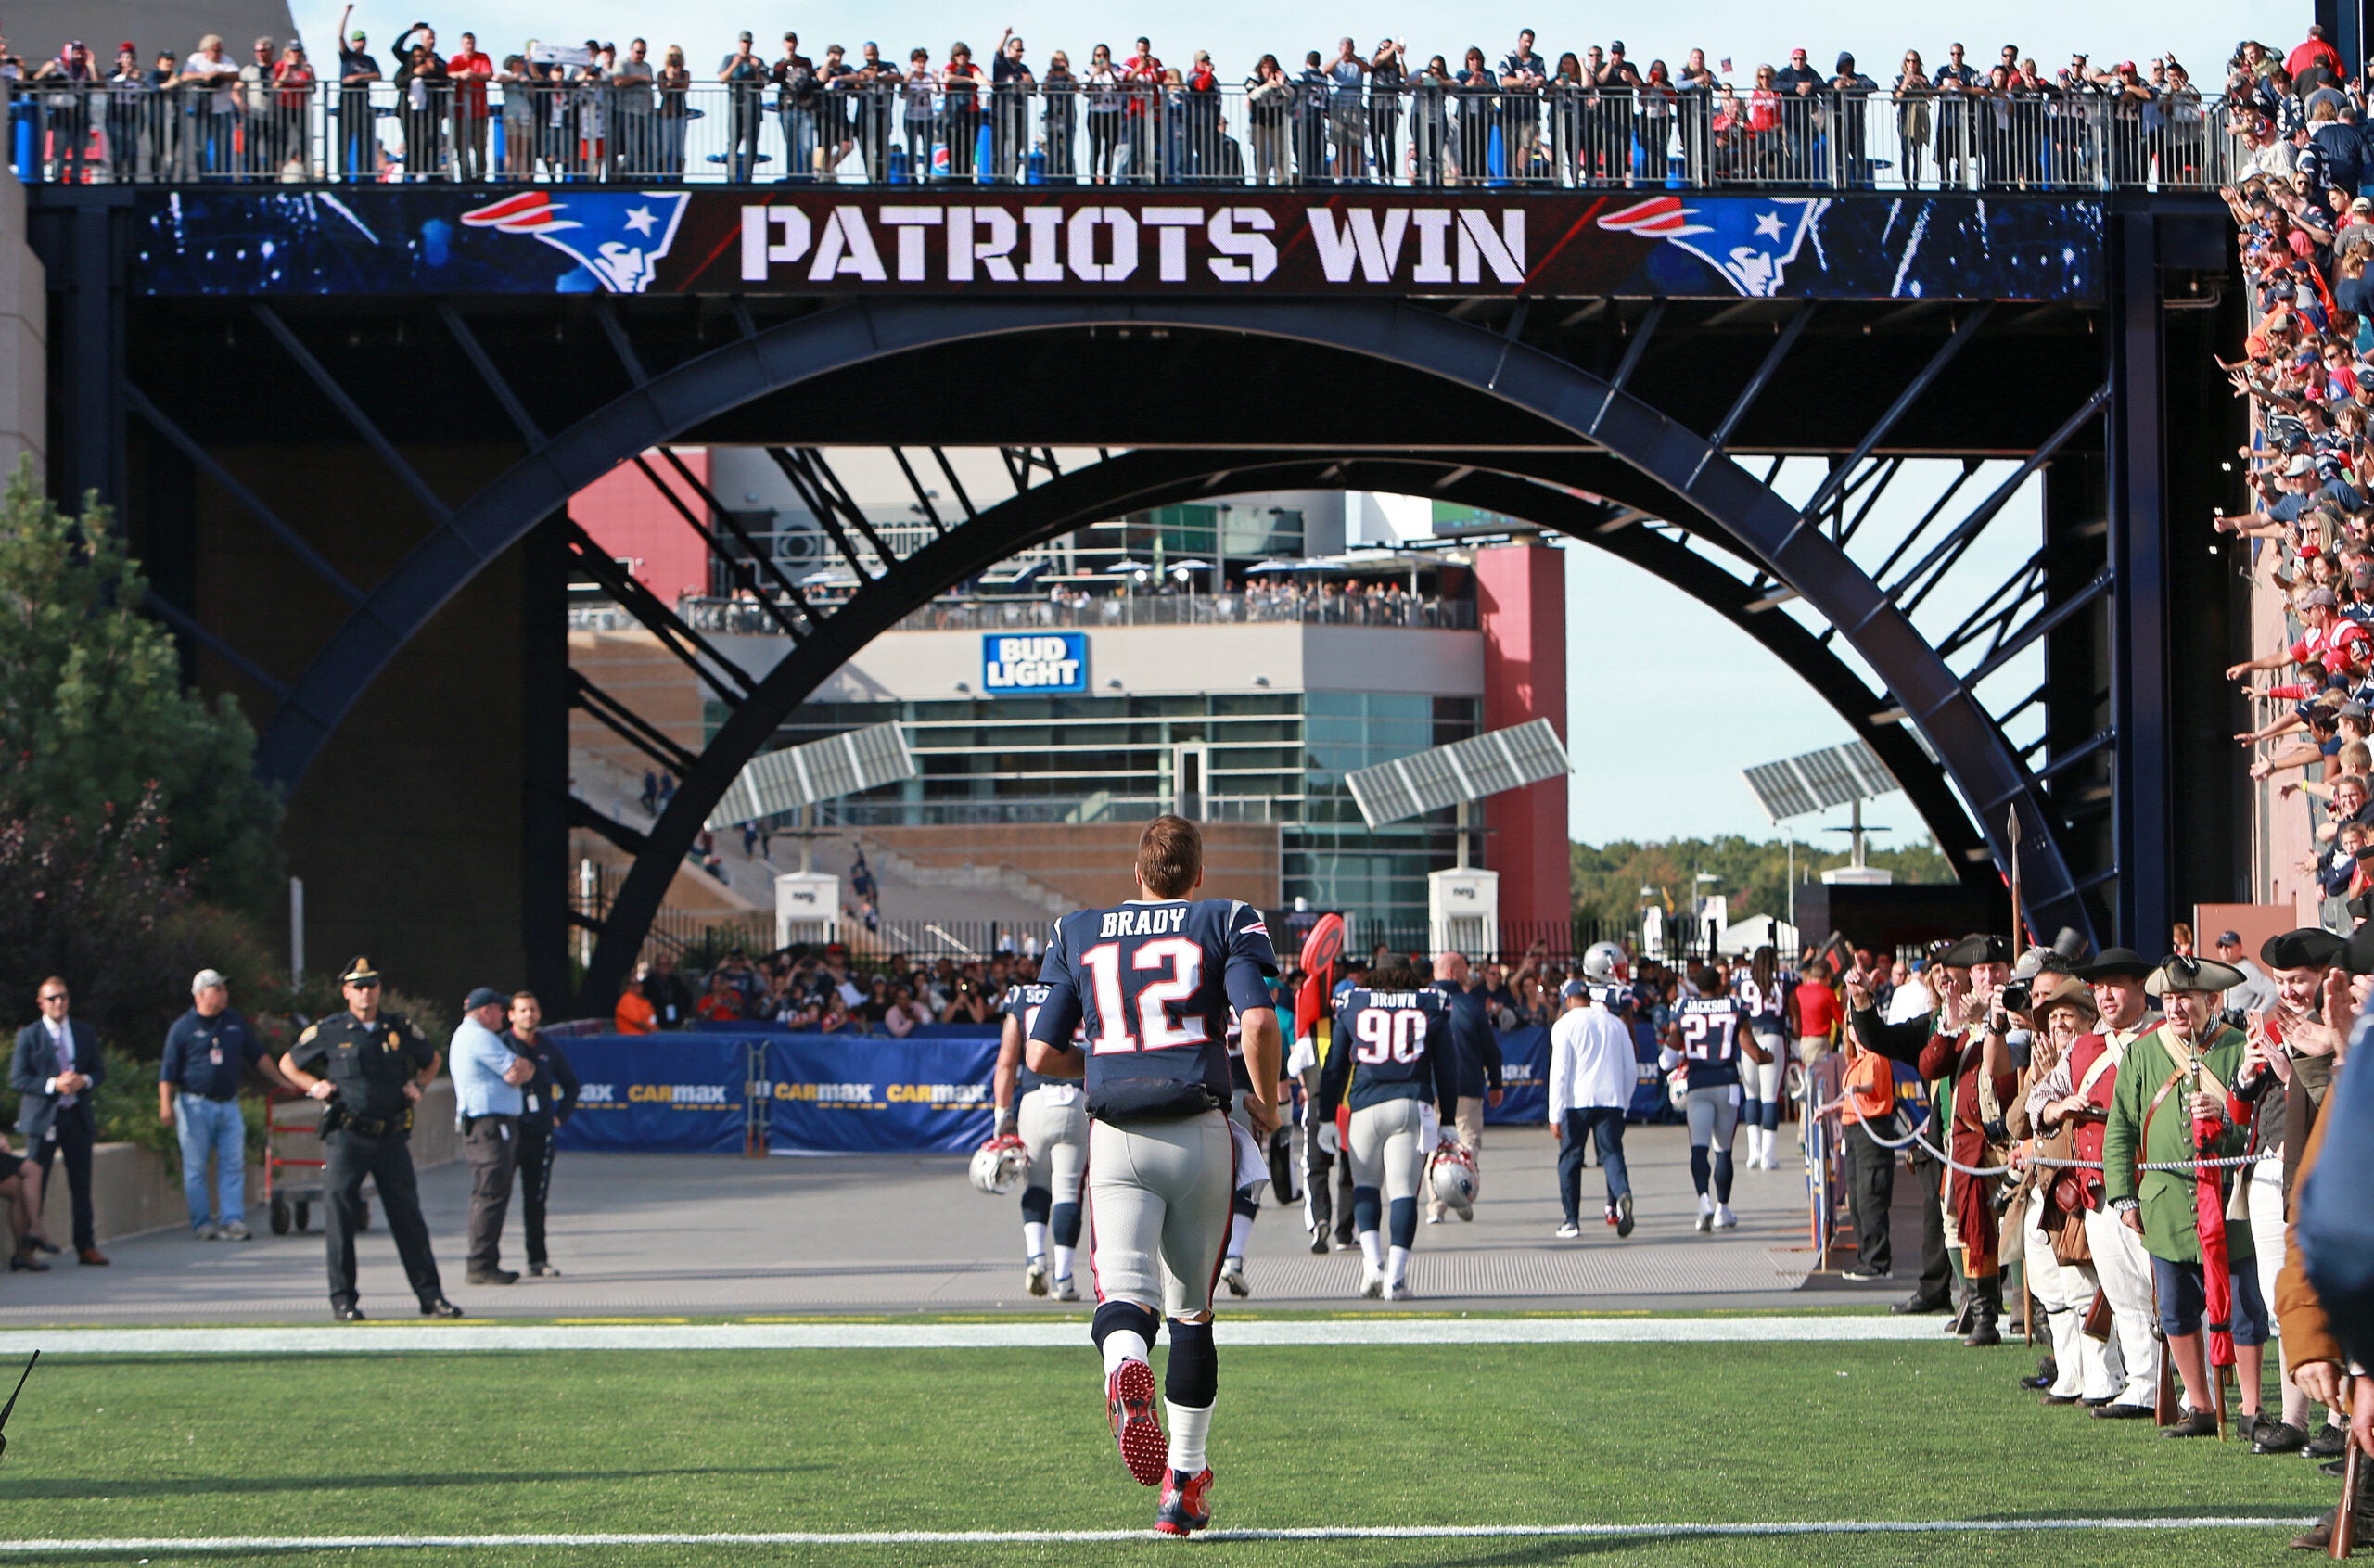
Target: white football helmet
[[1451, 1176], [1606, 963], [1000, 1166]]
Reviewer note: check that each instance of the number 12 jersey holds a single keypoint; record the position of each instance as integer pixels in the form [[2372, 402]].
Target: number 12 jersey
[[1151, 984]]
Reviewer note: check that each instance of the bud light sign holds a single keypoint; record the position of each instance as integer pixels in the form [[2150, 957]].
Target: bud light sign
[[1047, 663]]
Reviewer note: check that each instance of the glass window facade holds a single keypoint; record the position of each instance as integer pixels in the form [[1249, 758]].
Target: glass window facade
[[1274, 757]]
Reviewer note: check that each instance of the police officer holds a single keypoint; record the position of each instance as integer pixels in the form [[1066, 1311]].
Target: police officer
[[369, 1068], [551, 1098]]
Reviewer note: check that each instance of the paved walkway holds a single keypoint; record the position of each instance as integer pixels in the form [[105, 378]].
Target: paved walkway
[[685, 1236]]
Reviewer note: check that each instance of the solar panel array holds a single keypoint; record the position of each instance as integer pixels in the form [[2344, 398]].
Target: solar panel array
[[1470, 769], [1818, 780], [802, 775]]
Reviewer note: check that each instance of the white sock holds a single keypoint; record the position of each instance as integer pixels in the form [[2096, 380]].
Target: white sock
[[1240, 1231], [1123, 1345], [1372, 1248], [1189, 1427], [1064, 1261], [1705, 1202], [1034, 1239], [1397, 1267]]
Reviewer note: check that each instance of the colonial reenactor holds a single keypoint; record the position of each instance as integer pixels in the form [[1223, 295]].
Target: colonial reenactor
[[2181, 1074], [2292, 1046], [2055, 1255], [368, 1069], [2077, 1094], [1969, 1056]]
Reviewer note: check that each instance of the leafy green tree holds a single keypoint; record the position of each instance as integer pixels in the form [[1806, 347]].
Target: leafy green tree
[[94, 717], [1753, 874]]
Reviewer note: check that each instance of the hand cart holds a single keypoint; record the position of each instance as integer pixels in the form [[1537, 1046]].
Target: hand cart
[[292, 1142]]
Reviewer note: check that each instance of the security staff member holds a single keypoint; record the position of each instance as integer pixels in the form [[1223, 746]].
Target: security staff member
[[552, 1099], [486, 1102], [369, 1069]]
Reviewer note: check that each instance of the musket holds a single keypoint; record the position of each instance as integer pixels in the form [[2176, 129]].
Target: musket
[[2352, 1480], [2019, 919], [7, 1409]]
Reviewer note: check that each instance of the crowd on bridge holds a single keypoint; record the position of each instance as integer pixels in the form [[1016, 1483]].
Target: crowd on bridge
[[1350, 114]]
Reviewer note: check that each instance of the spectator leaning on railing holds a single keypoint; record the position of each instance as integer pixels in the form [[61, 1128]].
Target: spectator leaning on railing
[[1595, 117]]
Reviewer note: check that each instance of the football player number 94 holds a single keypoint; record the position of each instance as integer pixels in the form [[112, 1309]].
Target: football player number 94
[[1400, 1034], [1179, 966]]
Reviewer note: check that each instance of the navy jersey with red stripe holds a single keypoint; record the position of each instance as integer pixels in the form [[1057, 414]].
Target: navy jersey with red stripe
[[1151, 984], [1391, 1045], [1022, 1002], [1710, 1038]]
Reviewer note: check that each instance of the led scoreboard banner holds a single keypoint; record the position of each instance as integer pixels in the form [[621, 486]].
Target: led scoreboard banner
[[1004, 239]]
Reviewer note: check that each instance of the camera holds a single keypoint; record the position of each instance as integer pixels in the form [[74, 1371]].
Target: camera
[[2015, 997]]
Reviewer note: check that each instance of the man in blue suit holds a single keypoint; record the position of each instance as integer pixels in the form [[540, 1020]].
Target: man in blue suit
[[57, 1070]]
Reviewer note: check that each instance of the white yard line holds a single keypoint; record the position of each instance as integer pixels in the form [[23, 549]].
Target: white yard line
[[1071, 1537], [373, 1338]]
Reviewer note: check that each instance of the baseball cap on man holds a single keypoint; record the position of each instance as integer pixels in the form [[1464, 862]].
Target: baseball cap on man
[[485, 996], [206, 978]]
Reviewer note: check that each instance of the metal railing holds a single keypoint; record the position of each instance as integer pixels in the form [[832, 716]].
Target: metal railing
[[1426, 132]]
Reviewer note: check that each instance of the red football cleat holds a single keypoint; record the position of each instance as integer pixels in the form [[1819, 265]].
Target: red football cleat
[[1184, 1509], [1129, 1400]]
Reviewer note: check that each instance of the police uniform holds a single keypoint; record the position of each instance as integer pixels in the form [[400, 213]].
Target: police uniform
[[365, 1130], [550, 1097]]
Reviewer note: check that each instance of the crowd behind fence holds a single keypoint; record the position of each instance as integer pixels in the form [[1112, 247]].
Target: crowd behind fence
[[1423, 131]]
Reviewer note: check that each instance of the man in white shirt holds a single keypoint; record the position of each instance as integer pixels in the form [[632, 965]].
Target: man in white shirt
[[1592, 1072]]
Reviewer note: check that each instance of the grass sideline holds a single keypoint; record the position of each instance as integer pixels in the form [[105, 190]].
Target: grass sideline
[[433, 1443]]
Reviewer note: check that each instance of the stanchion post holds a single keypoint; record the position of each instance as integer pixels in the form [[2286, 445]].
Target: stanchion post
[[754, 1100]]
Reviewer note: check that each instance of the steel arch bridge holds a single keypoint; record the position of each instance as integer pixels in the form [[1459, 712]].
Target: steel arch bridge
[[1502, 408]]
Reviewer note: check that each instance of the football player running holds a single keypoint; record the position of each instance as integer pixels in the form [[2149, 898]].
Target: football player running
[[1393, 1048], [1763, 990], [1706, 1034], [1252, 1164], [1052, 1125], [1152, 981]]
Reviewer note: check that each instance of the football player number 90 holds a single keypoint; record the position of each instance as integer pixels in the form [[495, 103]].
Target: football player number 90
[[1400, 1034], [1157, 1028]]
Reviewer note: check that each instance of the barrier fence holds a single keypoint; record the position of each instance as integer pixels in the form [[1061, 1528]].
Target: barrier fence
[[752, 1088], [1426, 132]]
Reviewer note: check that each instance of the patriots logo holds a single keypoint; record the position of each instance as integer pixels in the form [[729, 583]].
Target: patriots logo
[[617, 236], [1749, 241]]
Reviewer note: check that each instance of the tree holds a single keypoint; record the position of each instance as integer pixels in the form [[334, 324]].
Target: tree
[[95, 720], [1754, 876]]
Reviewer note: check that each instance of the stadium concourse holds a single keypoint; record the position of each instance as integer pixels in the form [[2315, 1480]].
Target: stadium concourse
[[704, 1235]]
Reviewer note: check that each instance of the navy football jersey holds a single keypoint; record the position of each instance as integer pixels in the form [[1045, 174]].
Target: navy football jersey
[[1022, 1002], [1391, 1045], [1766, 1009], [1150, 984], [1710, 1038]]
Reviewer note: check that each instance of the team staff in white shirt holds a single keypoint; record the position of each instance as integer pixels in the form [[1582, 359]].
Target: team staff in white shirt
[[1592, 1072]]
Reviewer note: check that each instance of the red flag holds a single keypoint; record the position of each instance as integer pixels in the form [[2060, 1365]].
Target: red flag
[[2209, 1208]]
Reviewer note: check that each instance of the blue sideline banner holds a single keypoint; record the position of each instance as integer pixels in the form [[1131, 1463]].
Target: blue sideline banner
[[1525, 1078], [841, 1094], [679, 1093]]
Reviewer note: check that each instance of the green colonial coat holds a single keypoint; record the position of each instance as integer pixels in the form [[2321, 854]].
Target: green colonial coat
[[2171, 1223]]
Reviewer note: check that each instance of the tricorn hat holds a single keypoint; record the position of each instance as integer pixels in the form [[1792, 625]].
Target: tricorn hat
[[2115, 963], [2182, 972], [1976, 949], [2307, 947]]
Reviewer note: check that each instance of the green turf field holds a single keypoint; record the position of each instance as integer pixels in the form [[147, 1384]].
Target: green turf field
[[408, 1445]]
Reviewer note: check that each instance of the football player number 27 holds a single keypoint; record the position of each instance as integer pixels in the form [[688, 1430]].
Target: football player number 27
[[1182, 964], [1400, 1034]]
